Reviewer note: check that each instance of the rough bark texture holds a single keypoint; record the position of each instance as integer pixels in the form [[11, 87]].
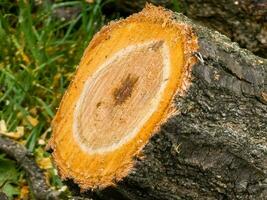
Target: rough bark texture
[[216, 145], [244, 21]]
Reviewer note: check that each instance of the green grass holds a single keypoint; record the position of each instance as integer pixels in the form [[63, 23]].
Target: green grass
[[38, 54]]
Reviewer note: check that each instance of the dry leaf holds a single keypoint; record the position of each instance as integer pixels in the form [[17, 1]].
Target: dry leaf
[[33, 111], [41, 142], [3, 128], [24, 192], [45, 163], [17, 134], [20, 131], [33, 121]]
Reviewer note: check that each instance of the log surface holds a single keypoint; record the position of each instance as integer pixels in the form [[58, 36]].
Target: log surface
[[243, 21], [215, 147]]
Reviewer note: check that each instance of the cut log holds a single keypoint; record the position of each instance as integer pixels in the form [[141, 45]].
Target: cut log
[[161, 108]]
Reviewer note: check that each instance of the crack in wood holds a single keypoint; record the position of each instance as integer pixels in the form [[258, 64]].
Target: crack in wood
[[122, 93]]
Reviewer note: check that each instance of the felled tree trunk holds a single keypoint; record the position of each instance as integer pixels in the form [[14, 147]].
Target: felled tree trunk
[[161, 108], [243, 21]]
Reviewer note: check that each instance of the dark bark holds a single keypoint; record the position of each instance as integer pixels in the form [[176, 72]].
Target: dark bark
[[26, 160], [244, 21], [3, 196], [216, 146], [126, 7]]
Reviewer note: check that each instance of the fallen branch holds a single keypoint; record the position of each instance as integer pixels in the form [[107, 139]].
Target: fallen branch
[[26, 160]]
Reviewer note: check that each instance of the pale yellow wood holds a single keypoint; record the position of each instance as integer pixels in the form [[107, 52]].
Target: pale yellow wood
[[121, 96]]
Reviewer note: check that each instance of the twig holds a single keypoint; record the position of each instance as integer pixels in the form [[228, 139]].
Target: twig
[[26, 160]]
